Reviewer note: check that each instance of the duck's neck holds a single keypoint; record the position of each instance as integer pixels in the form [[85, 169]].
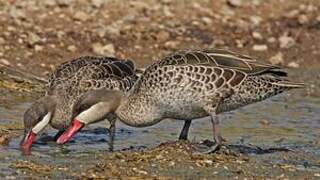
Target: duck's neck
[[137, 111]]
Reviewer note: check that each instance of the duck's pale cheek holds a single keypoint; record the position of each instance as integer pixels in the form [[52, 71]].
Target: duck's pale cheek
[[42, 124]]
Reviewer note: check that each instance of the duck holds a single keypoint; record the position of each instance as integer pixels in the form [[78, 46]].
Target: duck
[[66, 85], [188, 85]]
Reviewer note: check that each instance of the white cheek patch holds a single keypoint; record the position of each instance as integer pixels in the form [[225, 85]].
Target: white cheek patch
[[42, 124], [93, 114]]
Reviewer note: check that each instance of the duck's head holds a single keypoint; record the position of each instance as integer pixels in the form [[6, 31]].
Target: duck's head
[[91, 107], [35, 119]]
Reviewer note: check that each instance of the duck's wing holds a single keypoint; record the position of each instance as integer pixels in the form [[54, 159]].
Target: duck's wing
[[91, 72], [68, 69], [219, 58]]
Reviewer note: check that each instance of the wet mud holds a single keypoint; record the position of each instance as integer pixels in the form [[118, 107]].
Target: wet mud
[[277, 138]]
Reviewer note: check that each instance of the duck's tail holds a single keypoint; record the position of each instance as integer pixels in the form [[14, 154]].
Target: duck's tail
[[288, 84]]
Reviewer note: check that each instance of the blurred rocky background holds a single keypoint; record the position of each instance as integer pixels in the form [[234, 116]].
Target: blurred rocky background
[[37, 35]]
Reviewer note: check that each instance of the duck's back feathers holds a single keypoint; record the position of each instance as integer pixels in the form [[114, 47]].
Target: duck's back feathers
[[117, 68], [218, 58]]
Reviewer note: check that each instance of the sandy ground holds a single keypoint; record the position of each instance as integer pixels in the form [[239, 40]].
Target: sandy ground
[[37, 35]]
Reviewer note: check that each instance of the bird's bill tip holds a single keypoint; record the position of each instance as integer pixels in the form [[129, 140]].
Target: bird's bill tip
[[28, 141], [72, 130]]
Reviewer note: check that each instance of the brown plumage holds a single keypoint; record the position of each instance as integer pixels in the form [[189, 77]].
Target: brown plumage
[[196, 83], [68, 82]]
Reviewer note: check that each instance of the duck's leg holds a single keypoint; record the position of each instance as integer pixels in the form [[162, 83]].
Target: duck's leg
[[216, 136], [112, 131], [185, 130]]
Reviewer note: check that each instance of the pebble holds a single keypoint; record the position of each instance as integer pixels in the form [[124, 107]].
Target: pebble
[[167, 12], [100, 49], [171, 44], [81, 16], [272, 40], [72, 48], [234, 3], [98, 3], [257, 35], [277, 59], [265, 122], [293, 64], [207, 20], [33, 38], [5, 62], [261, 47], [163, 36], [38, 48], [303, 19], [286, 42], [49, 3], [293, 13], [64, 3], [255, 20], [4, 140], [2, 40], [17, 13]]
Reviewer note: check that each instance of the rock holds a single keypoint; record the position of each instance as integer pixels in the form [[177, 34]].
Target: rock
[[293, 13], [166, 1], [271, 40], [286, 42], [20, 41], [234, 3], [5, 62], [33, 38], [227, 11], [72, 48], [207, 20], [167, 12], [261, 47], [17, 13], [171, 44], [81, 16], [303, 19], [255, 20], [265, 122], [293, 64], [4, 140], [97, 3], [100, 49], [240, 43], [38, 48], [163, 36], [256, 2], [49, 3], [257, 35], [2, 40], [277, 59], [64, 3]]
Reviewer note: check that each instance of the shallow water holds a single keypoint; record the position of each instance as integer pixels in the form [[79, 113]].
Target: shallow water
[[290, 120]]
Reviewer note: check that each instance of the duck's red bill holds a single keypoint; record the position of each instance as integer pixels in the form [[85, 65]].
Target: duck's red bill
[[27, 142], [66, 136]]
